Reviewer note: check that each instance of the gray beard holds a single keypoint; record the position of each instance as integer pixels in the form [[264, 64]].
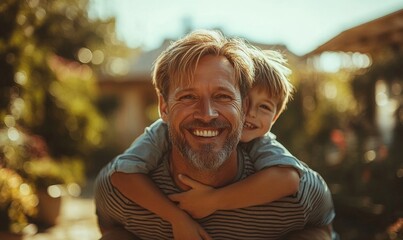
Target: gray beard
[[206, 159]]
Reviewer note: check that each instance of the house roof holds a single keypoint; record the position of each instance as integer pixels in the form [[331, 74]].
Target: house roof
[[383, 32], [141, 65]]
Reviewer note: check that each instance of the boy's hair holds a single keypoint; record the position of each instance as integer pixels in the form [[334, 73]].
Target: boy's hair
[[271, 74], [179, 61]]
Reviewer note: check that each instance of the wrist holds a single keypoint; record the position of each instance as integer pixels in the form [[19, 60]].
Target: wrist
[[176, 215], [214, 200]]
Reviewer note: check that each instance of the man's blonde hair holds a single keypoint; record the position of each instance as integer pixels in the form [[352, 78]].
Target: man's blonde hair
[[271, 75], [179, 61]]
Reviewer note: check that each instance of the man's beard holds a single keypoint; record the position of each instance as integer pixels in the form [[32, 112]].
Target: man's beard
[[205, 159]]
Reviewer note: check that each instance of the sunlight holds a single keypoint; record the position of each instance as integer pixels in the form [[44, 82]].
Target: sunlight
[[335, 61]]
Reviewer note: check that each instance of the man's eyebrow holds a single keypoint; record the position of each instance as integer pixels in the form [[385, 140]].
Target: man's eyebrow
[[231, 89], [183, 90]]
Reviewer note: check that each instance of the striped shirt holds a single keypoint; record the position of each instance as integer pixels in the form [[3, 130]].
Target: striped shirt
[[310, 206]]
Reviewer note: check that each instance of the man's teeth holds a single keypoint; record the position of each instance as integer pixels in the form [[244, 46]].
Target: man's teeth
[[205, 133]]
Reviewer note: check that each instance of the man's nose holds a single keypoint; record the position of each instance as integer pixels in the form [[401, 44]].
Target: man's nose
[[206, 110]]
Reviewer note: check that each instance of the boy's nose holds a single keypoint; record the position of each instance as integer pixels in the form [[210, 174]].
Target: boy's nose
[[252, 112]]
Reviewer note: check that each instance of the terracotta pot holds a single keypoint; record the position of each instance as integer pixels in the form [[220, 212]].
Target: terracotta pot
[[48, 209]]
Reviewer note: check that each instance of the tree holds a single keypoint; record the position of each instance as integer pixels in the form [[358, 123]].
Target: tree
[[50, 52], [36, 33]]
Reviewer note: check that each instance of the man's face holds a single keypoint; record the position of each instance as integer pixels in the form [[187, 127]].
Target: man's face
[[205, 117]]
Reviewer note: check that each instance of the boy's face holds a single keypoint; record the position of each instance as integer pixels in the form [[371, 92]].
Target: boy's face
[[261, 114]]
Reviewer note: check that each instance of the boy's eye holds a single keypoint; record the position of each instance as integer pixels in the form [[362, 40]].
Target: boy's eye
[[266, 107]]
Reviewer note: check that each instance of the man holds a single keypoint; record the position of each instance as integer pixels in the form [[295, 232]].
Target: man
[[201, 81]]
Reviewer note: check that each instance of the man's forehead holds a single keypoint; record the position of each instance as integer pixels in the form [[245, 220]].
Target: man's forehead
[[216, 72], [194, 85]]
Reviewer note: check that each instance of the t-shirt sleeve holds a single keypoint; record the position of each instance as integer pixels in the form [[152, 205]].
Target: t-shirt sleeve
[[317, 199], [145, 152], [266, 152]]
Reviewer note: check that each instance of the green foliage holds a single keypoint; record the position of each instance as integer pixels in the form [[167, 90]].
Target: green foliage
[[45, 86], [331, 125], [17, 200], [322, 102], [44, 172], [50, 53]]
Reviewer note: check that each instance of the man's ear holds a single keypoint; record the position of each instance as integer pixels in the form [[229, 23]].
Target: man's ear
[[162, 108]]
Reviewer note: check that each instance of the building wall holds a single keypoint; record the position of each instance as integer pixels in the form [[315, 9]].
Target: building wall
[[134, 101]]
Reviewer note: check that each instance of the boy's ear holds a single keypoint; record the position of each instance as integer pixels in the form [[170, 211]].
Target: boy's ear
[[162, 108]]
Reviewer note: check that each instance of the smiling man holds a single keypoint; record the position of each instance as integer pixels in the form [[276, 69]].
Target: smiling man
[[201, 81], [205, 119]]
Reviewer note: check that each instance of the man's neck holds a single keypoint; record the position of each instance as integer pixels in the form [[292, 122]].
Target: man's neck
[[224, 175]]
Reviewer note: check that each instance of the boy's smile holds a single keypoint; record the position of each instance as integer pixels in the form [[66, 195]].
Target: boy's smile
[[249, 125], [261, 114]]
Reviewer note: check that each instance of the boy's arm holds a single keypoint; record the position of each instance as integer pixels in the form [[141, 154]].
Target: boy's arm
[[278, 174], [140, 189], [265, 186]]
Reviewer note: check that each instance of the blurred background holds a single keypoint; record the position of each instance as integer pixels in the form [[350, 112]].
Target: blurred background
[[75, 91]]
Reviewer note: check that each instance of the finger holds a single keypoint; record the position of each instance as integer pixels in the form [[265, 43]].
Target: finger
[[189, 182], [205, 235], [174, 197]]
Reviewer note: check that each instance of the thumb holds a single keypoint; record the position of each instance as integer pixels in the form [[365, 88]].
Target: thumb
[[189, 182]]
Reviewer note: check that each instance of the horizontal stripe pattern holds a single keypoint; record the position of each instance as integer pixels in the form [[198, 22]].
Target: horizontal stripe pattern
[[310, 206]]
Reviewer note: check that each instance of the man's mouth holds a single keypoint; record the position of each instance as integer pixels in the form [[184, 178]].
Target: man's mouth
[[249, 125], [205, 133]]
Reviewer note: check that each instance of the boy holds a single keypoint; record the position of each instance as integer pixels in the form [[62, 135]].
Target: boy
[[274, 164]]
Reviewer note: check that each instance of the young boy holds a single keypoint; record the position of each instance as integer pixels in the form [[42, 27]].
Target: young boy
[[277, 171]]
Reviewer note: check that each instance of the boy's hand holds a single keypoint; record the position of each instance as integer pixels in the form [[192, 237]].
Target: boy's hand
[[197, 201], [187, 228]]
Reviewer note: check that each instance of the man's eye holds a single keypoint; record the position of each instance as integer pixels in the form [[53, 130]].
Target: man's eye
[[224, 97], [187, 97]]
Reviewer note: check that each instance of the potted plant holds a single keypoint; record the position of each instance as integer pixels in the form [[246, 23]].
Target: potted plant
[[25, 158], [52, 180]]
